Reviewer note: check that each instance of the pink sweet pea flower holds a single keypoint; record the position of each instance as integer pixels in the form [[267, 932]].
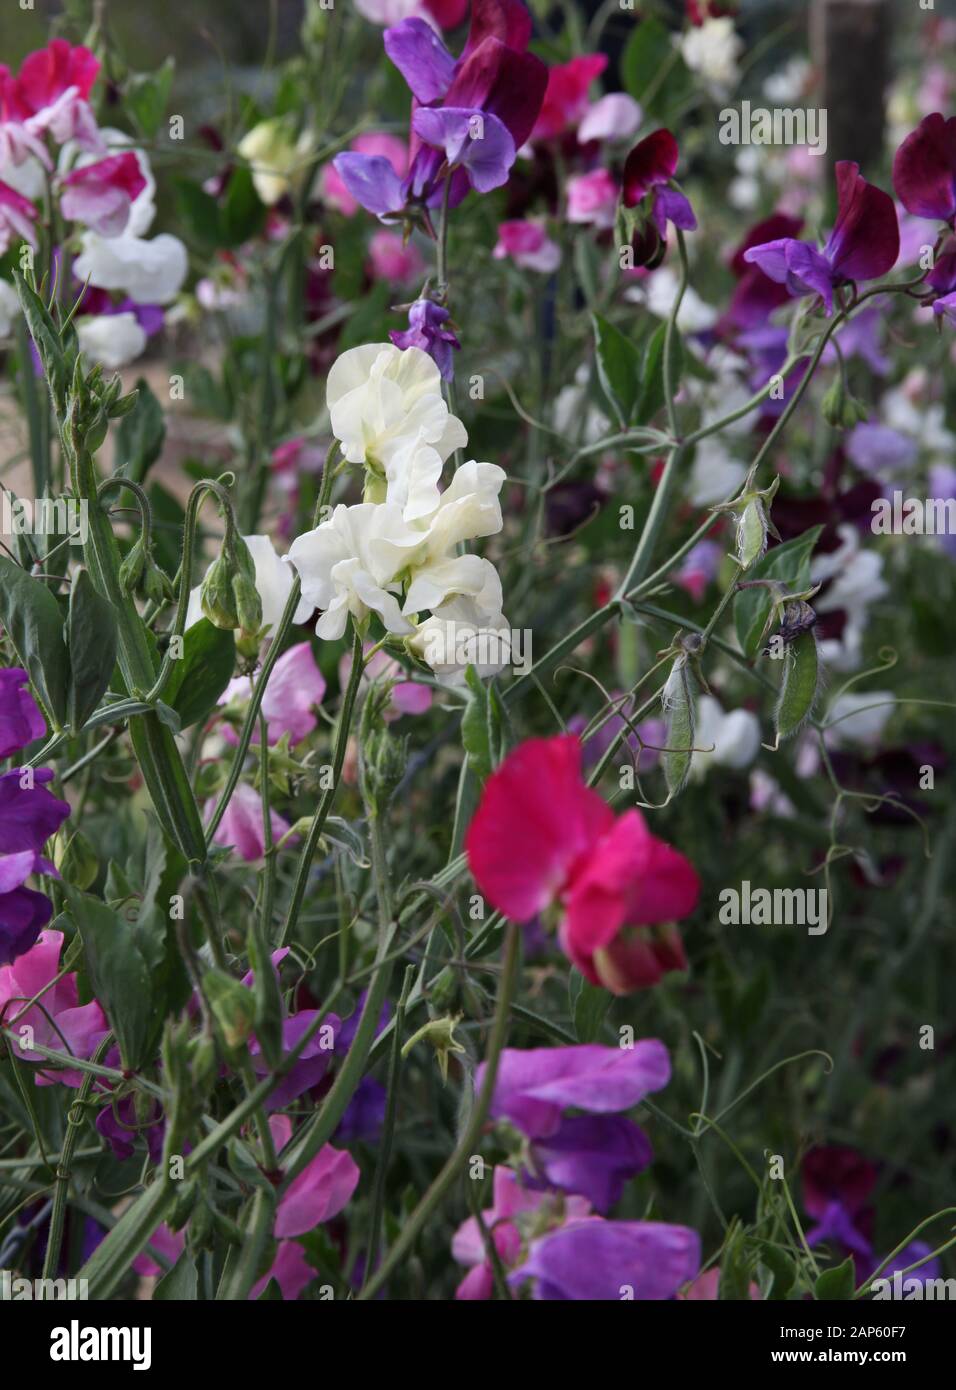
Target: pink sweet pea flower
[[566, 96], [924, 169], [51, 71], [101, 194], [408, 697], [295, 687], [528, 245], [616, 116], [17, 216], [390, 259], [542, 838], [592, 198], [320, 1192], [165, 1242], [58, 1020], [241, 826]]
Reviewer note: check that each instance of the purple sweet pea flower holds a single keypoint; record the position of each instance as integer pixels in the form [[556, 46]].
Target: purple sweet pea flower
[[313, 1061], [473, 140], [534, 1087], [23, 911], [879, 451], [942, 487], [425, 331], [364, 1115], [946, 305], [20, 720], [924, 169], [863, 245], [118, 1124], [599, 1260], [320, 1192], [593, 1156], [29, 814]]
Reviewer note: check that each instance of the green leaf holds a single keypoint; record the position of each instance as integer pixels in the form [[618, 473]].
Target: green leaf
[[619, 368], [589, 1007], [199, 213], [243, 213], [125, 960], [147, 96], [92, 637], [179, 1284], [836, 1284], [789, 563], [45, 334], [652, 395], [652, 69], [32, 617], [782, 1268], [203, 672], [141, 434]]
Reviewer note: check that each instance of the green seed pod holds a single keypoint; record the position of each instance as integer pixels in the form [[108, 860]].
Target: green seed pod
[[183, 1206], [798, 688], [751, 533], [679, 701]]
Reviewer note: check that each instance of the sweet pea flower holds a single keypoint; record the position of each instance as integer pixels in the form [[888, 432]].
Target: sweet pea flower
[[542, 838], [566, 98], [50, 95], [426, 330], [594, 1259], [863, 245], [712, 50], [514, 1206], [838, 1183], [470, 115], [113, 340], [405, 696], [447, 14], [924, 169], [880, 451], [241, 825], [296, 686], [699, 568], [648, 173], [391, 259], [616, 116], [23, 911], [320, 1192], [62, 1024], [101, 194], [17, 216], [29, 814], [734, 738], [528, 245], [331, 185], [592, 198], [274, 579], [20, 720]]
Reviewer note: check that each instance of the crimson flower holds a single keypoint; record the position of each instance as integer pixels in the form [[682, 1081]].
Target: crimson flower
[[924, 169], [541, 837]]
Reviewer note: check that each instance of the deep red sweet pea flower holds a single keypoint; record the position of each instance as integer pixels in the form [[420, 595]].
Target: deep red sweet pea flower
[[447, 14], [566, 97], [924, 169], [650, 163], [648, 171], [48, 73], [541, 836]]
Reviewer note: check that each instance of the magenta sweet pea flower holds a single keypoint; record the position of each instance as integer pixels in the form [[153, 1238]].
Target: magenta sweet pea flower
[[101, 194], [394, 260], [838, 1184], [320, 1192], [62, 1024], [17, 216], [566, 98], [595, 1259], [528, 245], [23, 911], [541, 838], [924, 169], [20, 720], [52, 71], [864, 243], [592, 198], [426, 330]]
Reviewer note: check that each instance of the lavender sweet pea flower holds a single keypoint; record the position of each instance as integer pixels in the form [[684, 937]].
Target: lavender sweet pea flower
[[20, 720], [863, 245], [421, 58], [534, 1087], [426, 331], [942, 487], [593, 1156], [473, 140], [599, 1260], [881, 452]]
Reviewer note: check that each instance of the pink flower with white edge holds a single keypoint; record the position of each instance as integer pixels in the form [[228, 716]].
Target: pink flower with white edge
[[615, 117], [390, 259], [50, 72], [528, 245], [17, 216], [592, 198], [331, 187], [296, 686], [542, 839], [58, 1020], [241, 826], [101, 194]]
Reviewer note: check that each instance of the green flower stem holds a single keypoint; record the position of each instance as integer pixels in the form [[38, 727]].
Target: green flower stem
[[463, 1150], [74, 1123], [388, 1130]]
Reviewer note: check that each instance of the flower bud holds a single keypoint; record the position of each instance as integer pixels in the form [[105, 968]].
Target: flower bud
[[228, 595]]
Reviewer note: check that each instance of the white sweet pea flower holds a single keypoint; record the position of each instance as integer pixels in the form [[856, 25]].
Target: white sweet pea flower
[[716, 474], [855, 717], [735, 737], [274, 579], [111, 339], [463, 632], [351, 564], [858, 581], [468, 509], [712, 50], [383, 399]]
